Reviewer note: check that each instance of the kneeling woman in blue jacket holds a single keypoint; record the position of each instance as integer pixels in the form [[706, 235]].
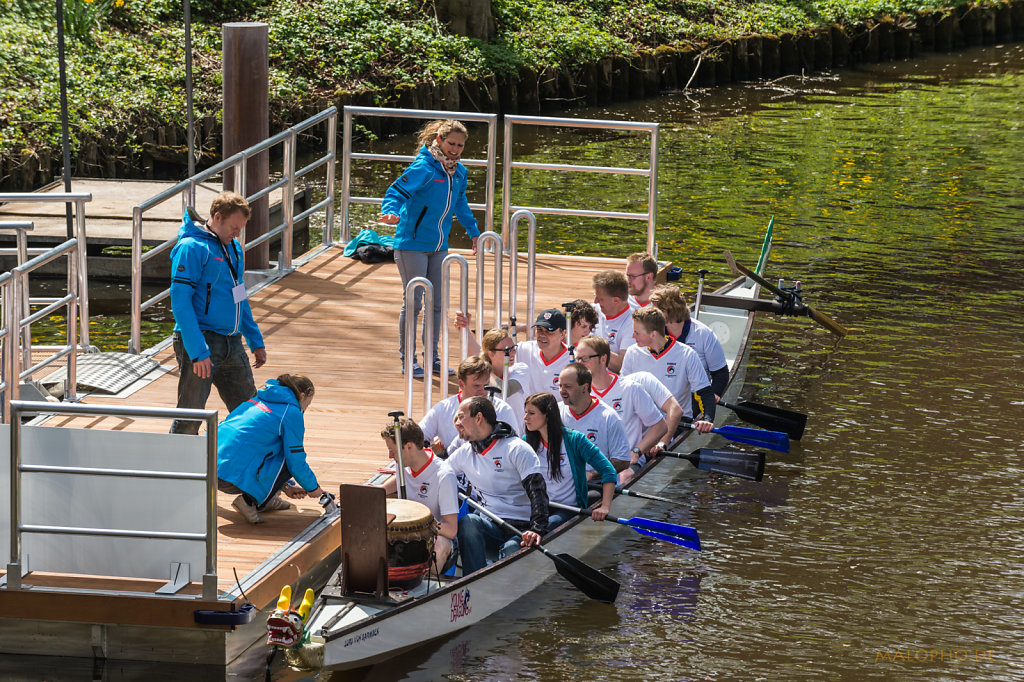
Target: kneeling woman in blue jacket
[[259, 447], [565, 454]]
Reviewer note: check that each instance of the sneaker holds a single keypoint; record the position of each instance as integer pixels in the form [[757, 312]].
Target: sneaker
[[275, 503], [417, 370], [248, 511], [437, 367]]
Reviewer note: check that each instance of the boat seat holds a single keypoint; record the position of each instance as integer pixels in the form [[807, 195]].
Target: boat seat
[[364, 547]]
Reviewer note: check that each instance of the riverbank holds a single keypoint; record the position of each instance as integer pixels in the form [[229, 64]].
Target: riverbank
[[127, 97]]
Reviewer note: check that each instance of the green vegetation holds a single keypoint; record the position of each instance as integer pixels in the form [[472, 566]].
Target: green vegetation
[[126, 69]]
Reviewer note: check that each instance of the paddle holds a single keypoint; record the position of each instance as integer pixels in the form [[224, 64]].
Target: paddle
[[683, 536], [586, 579], [819, 317], [773, 440], [633, 493], [748, 465], [768, 417]]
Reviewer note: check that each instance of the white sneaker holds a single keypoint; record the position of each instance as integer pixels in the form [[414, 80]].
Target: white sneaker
[[249, 512]]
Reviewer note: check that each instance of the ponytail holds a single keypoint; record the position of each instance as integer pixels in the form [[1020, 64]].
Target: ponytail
[[301, 385]]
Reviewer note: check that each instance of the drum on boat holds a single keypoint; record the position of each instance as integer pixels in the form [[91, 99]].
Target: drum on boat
[[410, 542]]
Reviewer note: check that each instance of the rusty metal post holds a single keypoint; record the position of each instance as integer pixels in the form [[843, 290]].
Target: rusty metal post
[[247, 122]]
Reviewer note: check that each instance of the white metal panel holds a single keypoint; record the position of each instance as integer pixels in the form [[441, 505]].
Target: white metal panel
[[112, 502]]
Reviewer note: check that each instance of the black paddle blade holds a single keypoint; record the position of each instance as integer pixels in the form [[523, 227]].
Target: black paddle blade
[[768, 417], [587, 579], [748, 465]]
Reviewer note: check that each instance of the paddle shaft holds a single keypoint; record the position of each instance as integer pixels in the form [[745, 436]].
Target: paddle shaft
[[662, 530], [775, 418], [633, 493]]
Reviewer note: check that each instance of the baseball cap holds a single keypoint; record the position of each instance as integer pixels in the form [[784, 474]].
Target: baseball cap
[[551, 319]]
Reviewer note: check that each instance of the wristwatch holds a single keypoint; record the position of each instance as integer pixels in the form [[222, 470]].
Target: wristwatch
[[638, 452]]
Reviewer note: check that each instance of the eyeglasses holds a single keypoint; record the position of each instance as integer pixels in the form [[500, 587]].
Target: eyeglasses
[[629, 276], [580, 358], [511, 349]]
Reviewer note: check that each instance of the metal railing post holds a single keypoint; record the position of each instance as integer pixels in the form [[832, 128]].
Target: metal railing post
[[210, 590], [410, 340], [14, 565], [346, 175], [506, 174], [332, 166], [74, 284], [10, 329], [288, 203], [494, 239], [135, 339], [446, 267], [652, 196], [83, 269], [531, 266]]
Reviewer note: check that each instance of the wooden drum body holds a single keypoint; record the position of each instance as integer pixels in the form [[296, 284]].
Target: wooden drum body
[[410, 542]]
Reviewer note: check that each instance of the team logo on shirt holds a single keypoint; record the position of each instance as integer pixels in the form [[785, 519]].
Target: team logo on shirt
[[424, 489], [554, 383], [617, 405], [592, 435], [181, 268], [497, 464], [670, 369], [611, 335]]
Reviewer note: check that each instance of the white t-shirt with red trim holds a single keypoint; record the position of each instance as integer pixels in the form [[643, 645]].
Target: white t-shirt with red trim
[[519, 373], [658, 391], [677, 366], [601, 426], [542, 372], [497, 475], [562, 491], [435, 486], [635, 407], [633, 303], [618, 330], [439, 421], [701, 339]]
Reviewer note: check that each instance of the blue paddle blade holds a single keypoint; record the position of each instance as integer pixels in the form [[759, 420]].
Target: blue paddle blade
[[666, 528], [773, 440], [689, 544]]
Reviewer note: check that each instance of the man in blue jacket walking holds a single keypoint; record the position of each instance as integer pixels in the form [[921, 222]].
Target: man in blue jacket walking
[[211, 310]]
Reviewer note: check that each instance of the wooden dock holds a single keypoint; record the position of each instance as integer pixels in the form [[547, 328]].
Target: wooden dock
[[335, 320]]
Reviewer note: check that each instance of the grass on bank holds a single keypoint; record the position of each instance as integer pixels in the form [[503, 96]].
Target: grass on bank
[[126, 66]]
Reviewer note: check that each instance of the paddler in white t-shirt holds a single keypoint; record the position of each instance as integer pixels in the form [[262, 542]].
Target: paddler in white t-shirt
[[429, 481], [611, 297]]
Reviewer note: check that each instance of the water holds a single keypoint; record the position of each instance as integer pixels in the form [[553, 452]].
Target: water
[[888, 543]]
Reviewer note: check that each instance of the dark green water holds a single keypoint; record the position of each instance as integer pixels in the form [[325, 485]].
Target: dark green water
[[888, 543]]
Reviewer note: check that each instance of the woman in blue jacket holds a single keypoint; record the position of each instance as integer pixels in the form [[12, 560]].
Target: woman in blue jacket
[[259, 447], [567, 454], [422, 202]]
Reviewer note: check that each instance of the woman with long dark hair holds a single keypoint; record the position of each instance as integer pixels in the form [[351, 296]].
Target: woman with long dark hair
[[259, 448], [565, 454], [422, 202]]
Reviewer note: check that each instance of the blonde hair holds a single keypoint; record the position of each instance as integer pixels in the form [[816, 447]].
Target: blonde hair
[[473, 366], [670, 301], [613, 283], [651, 318], [439, 128], [598, 344], [491, 340], [408, 429]]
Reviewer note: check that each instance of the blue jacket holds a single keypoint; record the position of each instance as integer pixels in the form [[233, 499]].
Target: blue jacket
[[259, 437], [425, 198], [582, 452], [201, 284]]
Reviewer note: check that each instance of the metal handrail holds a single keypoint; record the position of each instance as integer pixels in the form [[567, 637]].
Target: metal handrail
[[14, 574], [347, 156], [10, 346], [494, 239], [410, 340], [651, 172], [531, 269], [82, 271], [446, 267], [17, 309], [238, 163]]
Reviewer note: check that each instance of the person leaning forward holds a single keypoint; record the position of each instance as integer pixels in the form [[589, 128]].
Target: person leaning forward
[[507, 478], [211, 310]]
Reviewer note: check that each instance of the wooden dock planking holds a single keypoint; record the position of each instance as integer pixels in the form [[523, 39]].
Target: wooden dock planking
[[335, 319]]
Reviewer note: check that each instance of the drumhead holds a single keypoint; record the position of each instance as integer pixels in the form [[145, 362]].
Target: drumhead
[[408, 514]]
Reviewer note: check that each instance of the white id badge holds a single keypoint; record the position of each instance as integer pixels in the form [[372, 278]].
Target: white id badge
[[238, 293]]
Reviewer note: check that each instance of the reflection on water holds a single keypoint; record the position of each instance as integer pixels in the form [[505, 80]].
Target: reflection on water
[[887, 544]]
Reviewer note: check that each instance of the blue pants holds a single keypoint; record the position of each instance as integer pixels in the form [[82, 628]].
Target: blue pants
[[420, 264], [558, 517], [477, 535], [232, 375]]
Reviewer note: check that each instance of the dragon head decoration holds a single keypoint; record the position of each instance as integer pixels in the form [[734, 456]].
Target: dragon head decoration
[[285, 624]]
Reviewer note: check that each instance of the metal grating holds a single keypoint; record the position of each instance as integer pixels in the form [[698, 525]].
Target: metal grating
[[109, 373]]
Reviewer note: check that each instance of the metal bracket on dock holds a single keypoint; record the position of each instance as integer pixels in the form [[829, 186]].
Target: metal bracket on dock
[[15, 572], [179, 579]]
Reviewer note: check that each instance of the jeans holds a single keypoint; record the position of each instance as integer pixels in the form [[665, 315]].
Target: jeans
[[477, 534], [559, 516], [232, 489], [420, 264], [231, 374]]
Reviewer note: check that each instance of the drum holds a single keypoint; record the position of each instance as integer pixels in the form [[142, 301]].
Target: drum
[[410, 542]]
